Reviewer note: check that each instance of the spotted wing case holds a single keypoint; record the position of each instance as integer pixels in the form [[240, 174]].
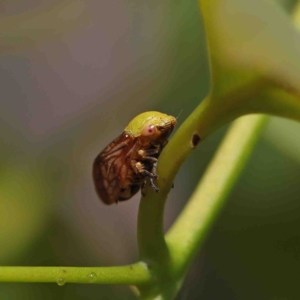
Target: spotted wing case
[[110, 168]]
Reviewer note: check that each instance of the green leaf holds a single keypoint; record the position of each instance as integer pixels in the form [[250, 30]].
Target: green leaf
[[254, 48]]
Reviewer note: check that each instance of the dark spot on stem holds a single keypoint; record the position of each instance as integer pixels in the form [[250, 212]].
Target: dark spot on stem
[[195, 140]]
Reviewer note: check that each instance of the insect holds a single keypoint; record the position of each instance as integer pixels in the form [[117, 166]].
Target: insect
[[125, 165]]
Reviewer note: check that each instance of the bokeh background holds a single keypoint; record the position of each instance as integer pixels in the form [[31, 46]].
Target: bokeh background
[[73, 74]]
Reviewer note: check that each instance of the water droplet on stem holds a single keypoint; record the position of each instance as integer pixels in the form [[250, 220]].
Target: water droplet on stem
[[92, 276], [60, 281]]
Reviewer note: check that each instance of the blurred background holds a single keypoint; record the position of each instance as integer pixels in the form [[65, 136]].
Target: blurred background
[[73, 74]]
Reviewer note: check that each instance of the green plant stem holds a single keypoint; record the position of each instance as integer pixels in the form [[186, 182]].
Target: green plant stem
[[151, 239], [206, 118], [256, 94], [130, 274], [189, 230]]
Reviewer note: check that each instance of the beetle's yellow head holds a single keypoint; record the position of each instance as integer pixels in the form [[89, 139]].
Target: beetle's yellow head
[[151, 125]]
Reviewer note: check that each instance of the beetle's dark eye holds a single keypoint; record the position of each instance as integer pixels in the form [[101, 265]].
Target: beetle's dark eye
[[148, 130]]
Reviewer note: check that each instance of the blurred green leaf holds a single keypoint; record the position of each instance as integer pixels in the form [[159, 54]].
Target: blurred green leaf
[[254, 51], [250, 39], [284, 135], [24, 211]]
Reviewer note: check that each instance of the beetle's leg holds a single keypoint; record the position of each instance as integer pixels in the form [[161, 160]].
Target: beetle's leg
[[145, 155], [150, 158], [151, 178], [148, 174], [153, 171], [138, 168], [155, 188], [154, 165]]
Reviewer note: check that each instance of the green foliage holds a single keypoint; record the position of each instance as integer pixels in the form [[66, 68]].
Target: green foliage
[[30, 214]]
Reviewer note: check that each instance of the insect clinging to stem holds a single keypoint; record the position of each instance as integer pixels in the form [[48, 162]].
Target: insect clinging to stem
[[125, 165]]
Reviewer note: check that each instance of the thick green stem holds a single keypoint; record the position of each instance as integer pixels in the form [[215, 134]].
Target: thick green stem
[[151, 239], [206, 118], [189, 231]]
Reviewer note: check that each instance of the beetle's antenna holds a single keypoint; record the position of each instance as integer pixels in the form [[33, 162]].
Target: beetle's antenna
[[179, 114]]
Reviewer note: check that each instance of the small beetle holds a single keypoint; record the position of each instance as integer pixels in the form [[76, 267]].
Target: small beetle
[[126, 164]]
